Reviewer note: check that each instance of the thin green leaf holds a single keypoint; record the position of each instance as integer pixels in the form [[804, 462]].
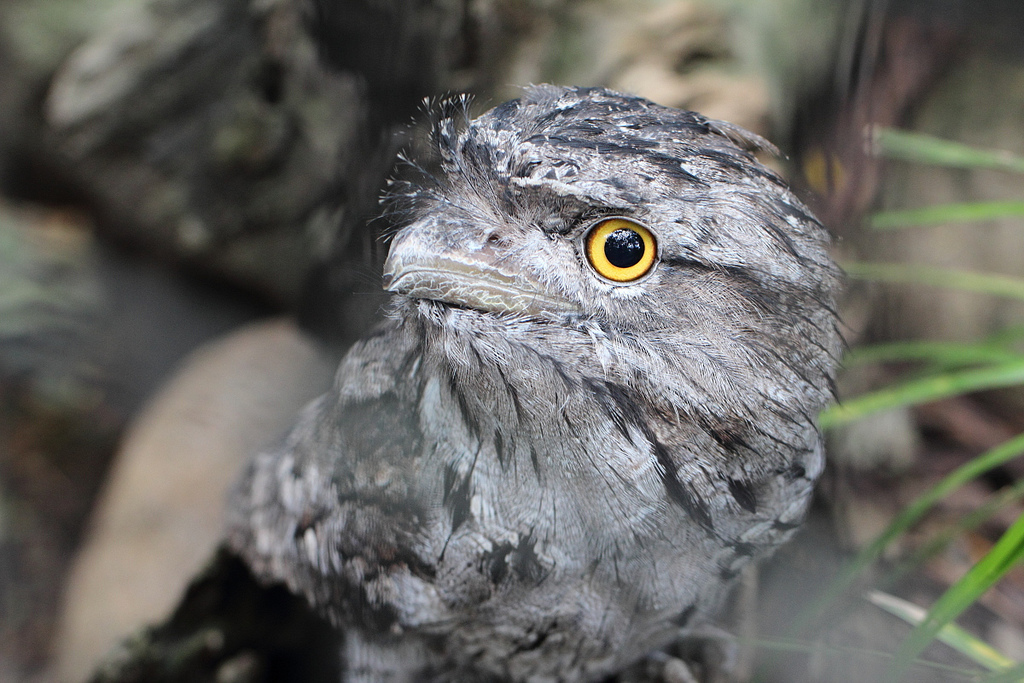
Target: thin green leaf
[[946, 213], [1008, 551], [948, 354], [924, 390], [983, 283], [950, 634], [925, 149], [910, 515]]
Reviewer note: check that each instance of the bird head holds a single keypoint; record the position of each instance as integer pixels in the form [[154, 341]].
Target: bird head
[[638, 223]]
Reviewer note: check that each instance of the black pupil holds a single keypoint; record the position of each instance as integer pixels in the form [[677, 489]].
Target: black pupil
[[624, 248]]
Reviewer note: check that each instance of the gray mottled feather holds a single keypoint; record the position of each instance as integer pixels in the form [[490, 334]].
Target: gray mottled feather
[[547, 493]]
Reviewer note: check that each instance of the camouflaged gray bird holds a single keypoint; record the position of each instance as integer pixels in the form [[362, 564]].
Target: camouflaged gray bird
[[591, 404]]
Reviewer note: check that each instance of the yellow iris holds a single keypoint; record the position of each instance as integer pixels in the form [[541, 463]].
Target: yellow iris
[[620, 249]]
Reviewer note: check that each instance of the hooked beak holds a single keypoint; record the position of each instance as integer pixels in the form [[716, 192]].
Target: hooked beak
[[472, 278]]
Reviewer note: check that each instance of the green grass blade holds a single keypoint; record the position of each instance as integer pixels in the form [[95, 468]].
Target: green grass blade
[[1008, 551], [950, 634], [923, 390], [983, 283], [947, 354], [946, 213], [909, 516], [925, 149]]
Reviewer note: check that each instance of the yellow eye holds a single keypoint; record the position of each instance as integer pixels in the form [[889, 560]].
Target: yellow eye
[[620, 249]]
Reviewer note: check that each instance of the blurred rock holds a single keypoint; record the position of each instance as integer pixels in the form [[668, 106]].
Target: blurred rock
[[208, 132], [682, 54], [159, 518], [41, 33], [35, 37]]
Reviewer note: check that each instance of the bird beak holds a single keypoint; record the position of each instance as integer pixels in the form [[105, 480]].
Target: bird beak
[[471, 278]]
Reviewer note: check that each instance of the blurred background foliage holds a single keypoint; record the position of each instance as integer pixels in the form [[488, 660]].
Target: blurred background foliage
[[173, 169]]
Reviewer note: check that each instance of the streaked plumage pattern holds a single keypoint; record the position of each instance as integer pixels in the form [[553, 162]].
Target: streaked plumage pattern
[[528, 471]]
